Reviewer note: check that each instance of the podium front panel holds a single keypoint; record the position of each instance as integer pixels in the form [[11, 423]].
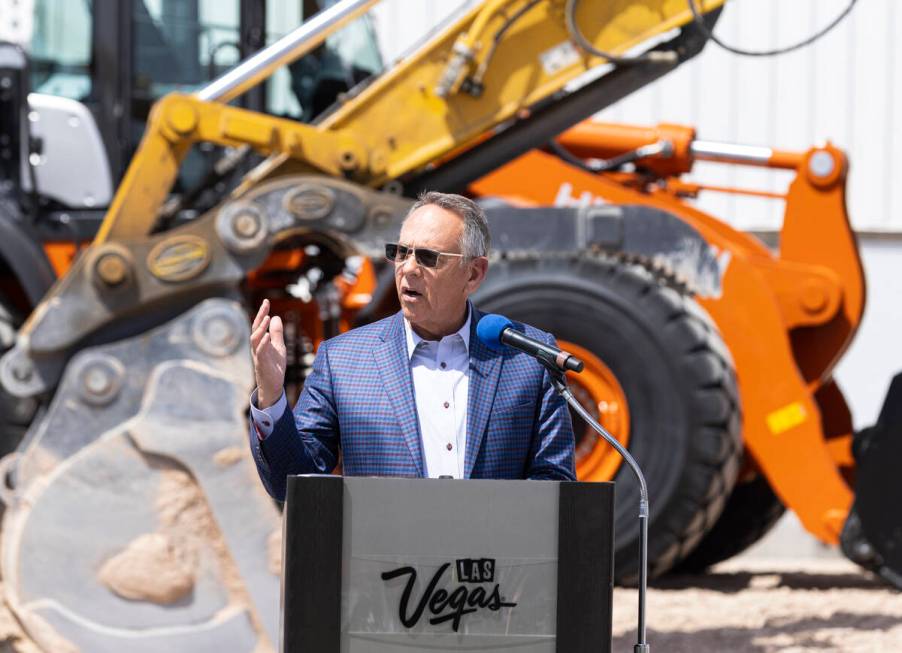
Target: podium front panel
[[441, 565]]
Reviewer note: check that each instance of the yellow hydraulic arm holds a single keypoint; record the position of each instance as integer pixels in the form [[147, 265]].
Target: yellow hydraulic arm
[[501, 58], [487, 69]]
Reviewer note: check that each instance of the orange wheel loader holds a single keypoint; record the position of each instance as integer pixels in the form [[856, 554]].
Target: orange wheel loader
[[785, 315]]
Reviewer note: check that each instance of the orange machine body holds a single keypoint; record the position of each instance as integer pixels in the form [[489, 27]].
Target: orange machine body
[[786, 316]]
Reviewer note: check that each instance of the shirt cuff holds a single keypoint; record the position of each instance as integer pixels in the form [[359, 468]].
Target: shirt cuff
[[265, 419]]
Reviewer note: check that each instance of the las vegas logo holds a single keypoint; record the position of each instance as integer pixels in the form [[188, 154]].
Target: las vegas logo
[[477, 591]]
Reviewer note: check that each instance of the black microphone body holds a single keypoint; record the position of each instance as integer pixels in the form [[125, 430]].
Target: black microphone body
[[552, 355]]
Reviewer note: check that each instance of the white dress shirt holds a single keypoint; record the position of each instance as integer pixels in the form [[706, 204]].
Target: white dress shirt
[[440, 370], [441, 373]]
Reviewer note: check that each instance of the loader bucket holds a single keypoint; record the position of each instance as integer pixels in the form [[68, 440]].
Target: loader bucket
[[872, 535], [135, 520]]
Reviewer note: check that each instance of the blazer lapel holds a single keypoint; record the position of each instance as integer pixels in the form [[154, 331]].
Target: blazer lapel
[[394, 365], [485, 370]]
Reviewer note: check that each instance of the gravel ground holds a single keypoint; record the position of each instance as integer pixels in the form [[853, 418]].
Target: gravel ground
[[746, 605], [763, 605]]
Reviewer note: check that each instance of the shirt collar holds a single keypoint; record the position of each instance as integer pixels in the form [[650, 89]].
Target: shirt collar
[[413, 339]]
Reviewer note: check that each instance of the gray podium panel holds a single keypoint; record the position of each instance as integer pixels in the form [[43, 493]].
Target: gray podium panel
[[380, 565]]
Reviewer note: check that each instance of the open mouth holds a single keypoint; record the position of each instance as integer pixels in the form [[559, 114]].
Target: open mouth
[[408, 293]]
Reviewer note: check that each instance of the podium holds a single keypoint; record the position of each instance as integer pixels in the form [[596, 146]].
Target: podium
[[387, 565]]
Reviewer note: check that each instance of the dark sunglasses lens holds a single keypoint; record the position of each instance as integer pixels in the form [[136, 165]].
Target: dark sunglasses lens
[[391, 251], [427, 257]]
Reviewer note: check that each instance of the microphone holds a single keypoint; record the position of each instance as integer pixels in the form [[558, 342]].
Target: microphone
[[496, 331]]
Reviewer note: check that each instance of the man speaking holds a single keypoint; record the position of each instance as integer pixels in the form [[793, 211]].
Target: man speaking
[[415, 394]]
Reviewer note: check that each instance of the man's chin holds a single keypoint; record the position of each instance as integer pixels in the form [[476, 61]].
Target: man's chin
[[409, 312], [415, 316]]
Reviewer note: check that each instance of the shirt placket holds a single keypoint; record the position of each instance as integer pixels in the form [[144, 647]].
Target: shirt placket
[[445, 378]]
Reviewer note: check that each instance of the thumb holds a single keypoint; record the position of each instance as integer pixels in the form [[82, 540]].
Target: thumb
[[276, 332]]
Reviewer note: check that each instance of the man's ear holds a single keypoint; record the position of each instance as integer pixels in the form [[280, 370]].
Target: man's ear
[[479, 267]]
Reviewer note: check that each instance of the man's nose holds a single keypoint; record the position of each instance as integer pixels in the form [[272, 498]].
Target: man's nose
[[409, 265]]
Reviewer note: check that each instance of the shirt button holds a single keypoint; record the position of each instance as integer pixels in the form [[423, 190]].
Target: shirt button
[[444, 365], [449, 447], [446, 404]]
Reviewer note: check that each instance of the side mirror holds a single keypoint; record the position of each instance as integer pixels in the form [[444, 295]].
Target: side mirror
[[67, 153]]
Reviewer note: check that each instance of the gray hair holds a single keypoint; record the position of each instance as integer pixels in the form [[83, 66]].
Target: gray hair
[[475, 240]]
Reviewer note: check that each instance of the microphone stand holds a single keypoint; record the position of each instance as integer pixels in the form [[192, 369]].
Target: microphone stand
[[560, 384]]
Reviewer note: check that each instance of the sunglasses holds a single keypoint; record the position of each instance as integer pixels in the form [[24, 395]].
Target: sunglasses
[[428, 258]]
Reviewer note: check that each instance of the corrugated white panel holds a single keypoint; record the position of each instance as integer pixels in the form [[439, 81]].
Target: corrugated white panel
[[715, 95], [846, 88], [894, 128], [874, 357], [401, 24], [869, 140], [790, 102], [754, 96]]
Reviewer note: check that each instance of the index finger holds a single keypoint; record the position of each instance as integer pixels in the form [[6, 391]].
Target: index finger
[[261, 313]]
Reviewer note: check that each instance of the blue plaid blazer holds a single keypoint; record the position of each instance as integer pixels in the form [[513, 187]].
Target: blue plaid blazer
[[359, 399]]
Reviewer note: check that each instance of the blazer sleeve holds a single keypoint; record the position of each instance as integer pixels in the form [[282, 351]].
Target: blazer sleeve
[[303, 441], [552, 452]]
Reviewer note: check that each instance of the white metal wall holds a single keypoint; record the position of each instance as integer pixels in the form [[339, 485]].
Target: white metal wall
[[846, 88]]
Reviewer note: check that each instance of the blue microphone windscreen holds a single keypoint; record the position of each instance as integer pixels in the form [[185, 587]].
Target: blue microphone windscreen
[[489, 330]]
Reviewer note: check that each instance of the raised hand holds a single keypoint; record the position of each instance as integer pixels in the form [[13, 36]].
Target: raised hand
[[268, 350]]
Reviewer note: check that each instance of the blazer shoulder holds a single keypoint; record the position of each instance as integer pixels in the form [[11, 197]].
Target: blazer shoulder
[[531, 331], [369, 335], [519, 359], [522, 327], [534, 332]]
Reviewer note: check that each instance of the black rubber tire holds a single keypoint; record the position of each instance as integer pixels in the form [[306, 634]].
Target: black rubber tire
[[677, 376], [751, 511], [15, 414]]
